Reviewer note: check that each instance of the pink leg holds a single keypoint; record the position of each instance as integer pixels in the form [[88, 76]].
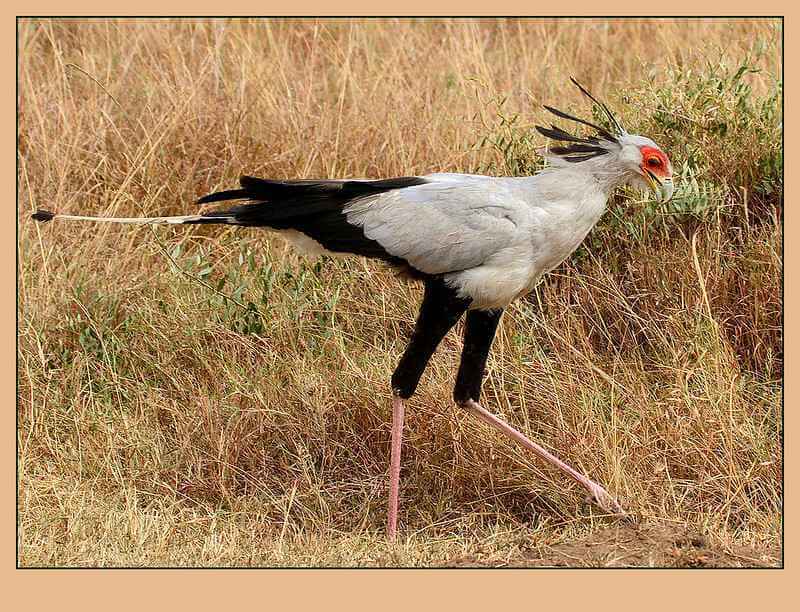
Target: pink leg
[[398, 412], [600, 495]]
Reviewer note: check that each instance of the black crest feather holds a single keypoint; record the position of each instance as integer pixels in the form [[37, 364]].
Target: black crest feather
[[601, 131], [602, 105], [580, 148]]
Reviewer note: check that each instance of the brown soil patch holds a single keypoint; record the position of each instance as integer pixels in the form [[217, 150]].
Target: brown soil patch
[[645, 545]]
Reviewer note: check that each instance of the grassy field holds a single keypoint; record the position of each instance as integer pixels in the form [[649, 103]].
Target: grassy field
[[209, 397]]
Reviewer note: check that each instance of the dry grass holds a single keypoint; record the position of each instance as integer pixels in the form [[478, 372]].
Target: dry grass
[[207, 397]]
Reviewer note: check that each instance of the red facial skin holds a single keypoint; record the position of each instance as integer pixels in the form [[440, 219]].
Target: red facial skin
[[655, 161]]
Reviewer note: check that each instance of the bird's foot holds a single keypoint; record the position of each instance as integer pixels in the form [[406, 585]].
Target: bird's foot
[[603, 498]]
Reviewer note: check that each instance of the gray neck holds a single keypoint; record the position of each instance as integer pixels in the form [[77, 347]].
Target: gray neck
[[608, 170]]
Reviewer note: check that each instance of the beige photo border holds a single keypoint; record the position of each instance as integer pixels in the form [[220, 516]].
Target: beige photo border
[[489, 590]]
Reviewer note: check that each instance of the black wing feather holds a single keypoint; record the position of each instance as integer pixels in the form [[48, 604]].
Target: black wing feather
[[313, 207]]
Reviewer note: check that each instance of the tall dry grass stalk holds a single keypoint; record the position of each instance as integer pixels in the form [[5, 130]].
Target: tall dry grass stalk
[[209, 397]]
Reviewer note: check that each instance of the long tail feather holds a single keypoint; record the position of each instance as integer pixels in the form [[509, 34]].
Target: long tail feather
[[45, 216], [312, 208]]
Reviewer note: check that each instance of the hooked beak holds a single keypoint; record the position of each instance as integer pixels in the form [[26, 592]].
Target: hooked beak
[[662, 188]]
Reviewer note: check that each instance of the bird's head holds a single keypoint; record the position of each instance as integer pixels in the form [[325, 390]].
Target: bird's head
[[625, 158], [649, 166]]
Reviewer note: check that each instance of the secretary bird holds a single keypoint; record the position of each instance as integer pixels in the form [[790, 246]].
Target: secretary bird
[[475, 242]]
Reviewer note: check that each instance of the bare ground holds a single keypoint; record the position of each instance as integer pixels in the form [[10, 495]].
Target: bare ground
[[651, 544]]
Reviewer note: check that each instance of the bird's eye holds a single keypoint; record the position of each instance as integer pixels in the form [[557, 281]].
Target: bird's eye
[[654, 162]]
